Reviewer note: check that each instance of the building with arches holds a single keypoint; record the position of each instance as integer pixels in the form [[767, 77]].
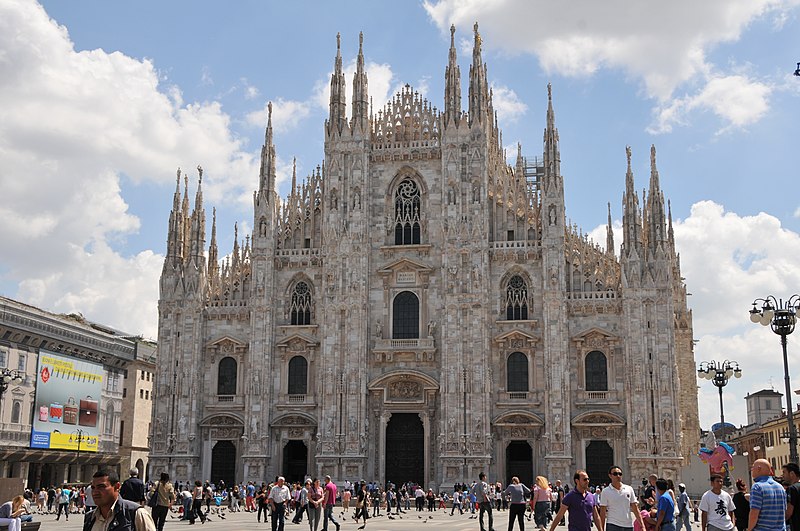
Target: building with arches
[[418, 309]]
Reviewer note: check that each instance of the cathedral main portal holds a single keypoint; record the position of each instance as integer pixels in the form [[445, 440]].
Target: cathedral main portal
[[223, 463], [405, 449]]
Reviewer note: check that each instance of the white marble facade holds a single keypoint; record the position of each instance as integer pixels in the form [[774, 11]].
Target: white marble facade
[[417, 304]]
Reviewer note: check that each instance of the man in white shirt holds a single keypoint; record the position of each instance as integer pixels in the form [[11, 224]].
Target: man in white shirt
[[717, 507], [618, 504], [278, 496]]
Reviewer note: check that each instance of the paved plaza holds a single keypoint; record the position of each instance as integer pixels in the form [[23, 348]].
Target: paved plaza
[[440, 520]]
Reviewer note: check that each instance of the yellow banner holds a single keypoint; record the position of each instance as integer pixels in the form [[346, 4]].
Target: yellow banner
[[69, 441]]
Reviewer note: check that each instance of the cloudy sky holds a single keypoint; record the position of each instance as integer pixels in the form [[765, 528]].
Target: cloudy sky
[[100, 102]]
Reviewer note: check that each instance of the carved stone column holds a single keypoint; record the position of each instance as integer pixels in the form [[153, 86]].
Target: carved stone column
[[384, 420], [423, 415]]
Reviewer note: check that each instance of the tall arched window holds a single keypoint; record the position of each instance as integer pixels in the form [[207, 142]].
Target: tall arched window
[[406, 213], [16, 412], [405, 316], [517, 373], [596, 371], [226, 376], [108, 425], [298, 376], [516, 299], [300, 306]]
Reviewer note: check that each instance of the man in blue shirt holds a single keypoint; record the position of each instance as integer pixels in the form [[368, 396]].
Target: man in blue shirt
[[666, 507], [767, 500]]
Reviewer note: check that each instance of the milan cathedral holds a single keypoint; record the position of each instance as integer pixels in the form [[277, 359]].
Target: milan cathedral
[[417, 309]]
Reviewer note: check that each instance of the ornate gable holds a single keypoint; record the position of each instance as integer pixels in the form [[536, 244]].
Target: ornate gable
[[515, 339], [595, 338], [598, 418]]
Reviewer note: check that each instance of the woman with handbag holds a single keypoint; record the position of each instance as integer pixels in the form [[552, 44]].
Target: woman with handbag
[[362, 504], [161, 500], [314, 508]]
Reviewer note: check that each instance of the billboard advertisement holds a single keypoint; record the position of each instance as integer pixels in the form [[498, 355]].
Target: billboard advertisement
[[67, 403]]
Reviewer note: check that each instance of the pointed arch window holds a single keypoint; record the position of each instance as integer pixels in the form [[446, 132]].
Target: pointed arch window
[[517, 373], [300, 306], [298, 376], [16, 412], [405, 316], [517, 299], [596, 371], [226, 376], [407, 213]]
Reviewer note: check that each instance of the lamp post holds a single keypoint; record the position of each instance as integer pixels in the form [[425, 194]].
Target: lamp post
[[719, 373], [7, 377], [78, 436], [781, 317]]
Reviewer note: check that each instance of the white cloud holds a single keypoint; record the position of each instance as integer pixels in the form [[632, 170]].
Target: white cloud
[[655, 43], [71, 124], [379, 79], [598, 234], [507, 104], [286, 115], [250, 92], [739, 101], [797, 213], [729, 260]]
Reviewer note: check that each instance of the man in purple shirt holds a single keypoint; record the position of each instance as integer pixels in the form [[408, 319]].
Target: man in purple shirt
[[580, 504]]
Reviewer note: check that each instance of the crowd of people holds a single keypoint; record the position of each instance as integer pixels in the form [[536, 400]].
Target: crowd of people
[[610, 505]]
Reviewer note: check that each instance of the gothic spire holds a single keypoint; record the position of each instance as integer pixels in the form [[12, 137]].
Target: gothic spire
[[198, 224], [631, 221], [609, 233], [360, 112], [337, 106], [552, 154], [267, 173], [452, 84], [175, 233], [670, 232], [213, 251], [478, 90], [656, 218]]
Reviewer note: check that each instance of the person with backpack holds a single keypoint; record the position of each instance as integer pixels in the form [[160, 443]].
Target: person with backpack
[[63, 496]]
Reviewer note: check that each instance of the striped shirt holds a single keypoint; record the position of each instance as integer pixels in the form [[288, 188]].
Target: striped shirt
[[768, 497]]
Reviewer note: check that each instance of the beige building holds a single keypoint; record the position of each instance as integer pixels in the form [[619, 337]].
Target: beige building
[[122, 418], [419, 310]]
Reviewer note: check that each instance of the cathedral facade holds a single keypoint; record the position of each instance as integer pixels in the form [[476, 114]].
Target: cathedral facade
[[417, 309]]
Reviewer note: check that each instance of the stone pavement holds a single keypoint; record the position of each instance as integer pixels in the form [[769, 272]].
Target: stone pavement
[[438, 520]]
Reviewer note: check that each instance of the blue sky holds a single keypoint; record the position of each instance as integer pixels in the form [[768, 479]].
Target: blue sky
[[102, 101]]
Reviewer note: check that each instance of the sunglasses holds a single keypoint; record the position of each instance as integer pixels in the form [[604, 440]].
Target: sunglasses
[[616, 473]]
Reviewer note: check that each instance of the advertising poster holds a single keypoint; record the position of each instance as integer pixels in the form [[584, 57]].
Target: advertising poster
[[67, 403]]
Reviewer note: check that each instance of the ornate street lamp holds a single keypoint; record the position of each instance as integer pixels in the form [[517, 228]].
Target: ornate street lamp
[[781, 317], [7, 377], [719, 373]]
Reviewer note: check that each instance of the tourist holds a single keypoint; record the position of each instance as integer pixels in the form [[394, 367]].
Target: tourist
[[665, 507], [315, 499], [580, 504], [329, 502], [742, 502], [767, 500], [618, 504], [541, 501], [716, 507], [11, 513], [133, 488], [481, 491], [114, 512], [165, 498], [685, 505], [517, 492], [791, 480], [197, 503]]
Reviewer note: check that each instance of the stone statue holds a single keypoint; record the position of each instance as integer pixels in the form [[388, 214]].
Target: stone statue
[[378, 329], [182, 426], [431, 328], [254, 425]]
